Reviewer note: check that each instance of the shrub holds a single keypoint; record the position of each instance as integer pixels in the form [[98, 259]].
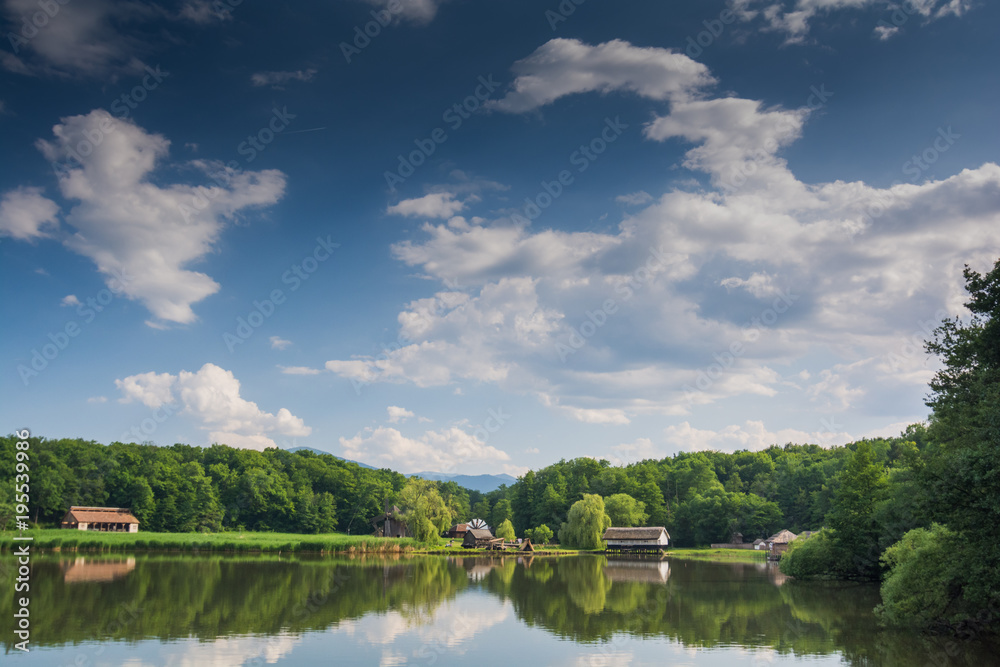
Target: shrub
[[923, 585]]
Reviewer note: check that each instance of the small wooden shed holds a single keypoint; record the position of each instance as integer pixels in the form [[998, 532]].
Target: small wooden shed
[[390, 523], [477, 538]]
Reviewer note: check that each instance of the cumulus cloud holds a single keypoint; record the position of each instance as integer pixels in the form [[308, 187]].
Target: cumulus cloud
[[26, 215], [398, 414], [435, 205], [279, 343], [70, 300], [211, 397], [563, 67], [445, 450], [131, 224], [279, 79], [639, 320], [751, 435]]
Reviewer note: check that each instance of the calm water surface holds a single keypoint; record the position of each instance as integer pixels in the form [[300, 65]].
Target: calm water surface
[[586, 611]]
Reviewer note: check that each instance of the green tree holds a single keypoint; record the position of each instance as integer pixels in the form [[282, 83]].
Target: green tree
[[585, 524], [481, 510], [506, 531], [625, 511], [863, 486], [424, 510], [540, 535], [501, 512]]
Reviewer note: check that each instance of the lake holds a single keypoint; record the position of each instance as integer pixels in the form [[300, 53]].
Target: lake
[[580, 611]]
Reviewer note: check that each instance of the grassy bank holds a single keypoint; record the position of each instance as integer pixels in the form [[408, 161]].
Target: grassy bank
[[730, 555], [67, 540], [245, 542]]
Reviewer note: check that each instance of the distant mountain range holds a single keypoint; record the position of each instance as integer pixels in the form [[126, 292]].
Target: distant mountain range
[[481, 483]]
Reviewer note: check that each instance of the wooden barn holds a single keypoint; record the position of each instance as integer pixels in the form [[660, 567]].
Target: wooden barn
[[636, 539], [390, 523], [104, 519], [477, 538]]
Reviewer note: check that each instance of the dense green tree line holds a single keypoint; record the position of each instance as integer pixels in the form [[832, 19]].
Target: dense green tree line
[[183, 488], [927, 527], [700, 497]]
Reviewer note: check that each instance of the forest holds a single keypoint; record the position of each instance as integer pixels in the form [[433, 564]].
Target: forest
[[700, 497]]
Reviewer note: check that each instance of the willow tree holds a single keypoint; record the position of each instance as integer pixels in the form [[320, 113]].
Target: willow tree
[[424, 510], [585, 524]]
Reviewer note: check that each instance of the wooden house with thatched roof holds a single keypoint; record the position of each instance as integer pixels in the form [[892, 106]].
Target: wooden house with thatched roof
[[777, 544], [636, 539], [104, 519], [477, 538]]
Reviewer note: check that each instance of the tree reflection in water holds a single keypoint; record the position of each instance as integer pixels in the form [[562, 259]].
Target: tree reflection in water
[[588, 599]]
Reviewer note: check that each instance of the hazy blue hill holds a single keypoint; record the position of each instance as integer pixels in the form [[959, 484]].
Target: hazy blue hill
[[481, 483]]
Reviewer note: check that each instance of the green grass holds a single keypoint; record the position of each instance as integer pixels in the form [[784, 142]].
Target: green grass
[[741, 555], [67, 540]]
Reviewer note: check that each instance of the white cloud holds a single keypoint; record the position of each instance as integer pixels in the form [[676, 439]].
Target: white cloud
[[204, 11], [434, 205], [751, 435], [69, 300], [416, 11], [279, 343], [97, 399], [279, 79], [794, 18], [211, 396], [142, 233], [299, 370], [93, 38], [860, 268], [440, 451], [563, 67], [398, 414], [635, 198], [26, 215]]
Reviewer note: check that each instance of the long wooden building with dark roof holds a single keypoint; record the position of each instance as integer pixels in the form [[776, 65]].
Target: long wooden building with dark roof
[[636, 539], [104, 519]]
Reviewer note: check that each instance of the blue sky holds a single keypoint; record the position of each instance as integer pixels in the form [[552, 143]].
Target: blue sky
[[483, 237]]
